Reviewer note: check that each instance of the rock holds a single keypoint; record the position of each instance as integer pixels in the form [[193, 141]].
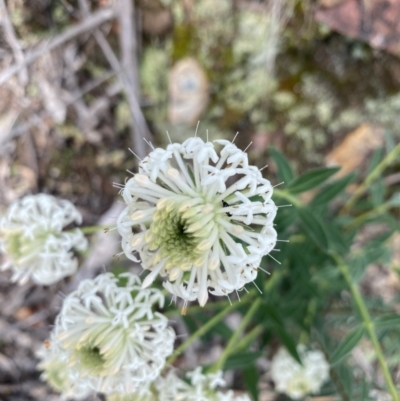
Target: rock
[[376, 21], [353, 151], [188, 91]]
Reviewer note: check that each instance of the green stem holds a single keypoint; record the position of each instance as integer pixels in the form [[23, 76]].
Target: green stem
[[369, 325], [281, 193], [95, 229], [233, 340], [203, 330], [249, 338], [372, 176], [207, 307], [358, 221]]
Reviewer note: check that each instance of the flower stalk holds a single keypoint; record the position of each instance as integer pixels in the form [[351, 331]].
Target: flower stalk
[[369, 325], [372, 176]]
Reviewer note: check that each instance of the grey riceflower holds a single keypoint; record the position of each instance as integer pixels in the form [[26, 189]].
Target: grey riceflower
[[184, 221], [33, 239], [111, 335]]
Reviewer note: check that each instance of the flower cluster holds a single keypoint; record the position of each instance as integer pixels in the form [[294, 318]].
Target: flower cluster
[[203, 220], [297, 380], [32, 237], [110, 335], [202, 387]]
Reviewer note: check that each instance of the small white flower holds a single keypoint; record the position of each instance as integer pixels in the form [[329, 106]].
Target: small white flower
[[202, 387], [111, 334], [66, 381], [32, 237], [297, 380], [184, 220]]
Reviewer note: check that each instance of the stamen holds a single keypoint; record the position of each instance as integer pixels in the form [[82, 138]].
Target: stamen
[[148, 143], [248, 146], [257, 287], [134, 154], [197, 127], [277, 261]]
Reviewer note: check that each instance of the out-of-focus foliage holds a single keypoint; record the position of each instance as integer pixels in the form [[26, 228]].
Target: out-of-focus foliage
[[308, 297]]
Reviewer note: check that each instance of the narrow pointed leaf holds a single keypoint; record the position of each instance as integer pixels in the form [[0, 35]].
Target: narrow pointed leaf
[[348, 343], [311, 179], [285, 171], [328, 192], [314, 227]]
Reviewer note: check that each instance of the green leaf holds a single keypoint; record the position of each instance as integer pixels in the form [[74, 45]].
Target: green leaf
[[377, 191], [250, 377], [391, 321], [285, 171], [285, 218], [375, 159], [328, 192], [220, 328], [357, 268], [337, 239], [395, 200], [347, 344], [314, 227], [269, 316], [289, 343], [241, 360], [311, 179], [389, 141]]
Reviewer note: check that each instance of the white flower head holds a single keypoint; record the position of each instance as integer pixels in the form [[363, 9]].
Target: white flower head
[[66, 381], [297, 380], [111, 334], [187, 222], [202, 387], [32, 237]]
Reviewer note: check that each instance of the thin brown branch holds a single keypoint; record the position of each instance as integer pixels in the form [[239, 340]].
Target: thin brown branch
[[130, 84], [127, 42], [92, 21], [13, 41]]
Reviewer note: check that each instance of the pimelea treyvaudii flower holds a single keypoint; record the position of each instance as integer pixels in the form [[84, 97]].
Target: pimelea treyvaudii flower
[[202, 387], [297, 380], [111, 334], [32, 237], [188, 223]]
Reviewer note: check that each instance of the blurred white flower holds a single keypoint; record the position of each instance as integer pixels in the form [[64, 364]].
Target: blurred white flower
[[297, 380], [186, 222], [135, 396], [111, 334], [202, 387], [32, 237], [66, 381]]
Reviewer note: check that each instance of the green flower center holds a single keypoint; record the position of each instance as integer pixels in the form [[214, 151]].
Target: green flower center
[[91, 359], [178, 232], [20, 247]]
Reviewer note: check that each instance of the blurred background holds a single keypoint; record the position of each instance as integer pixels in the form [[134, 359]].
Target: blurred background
[[82, 81]]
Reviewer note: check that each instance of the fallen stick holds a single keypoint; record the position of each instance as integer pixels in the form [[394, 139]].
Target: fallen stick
[[92, 21]]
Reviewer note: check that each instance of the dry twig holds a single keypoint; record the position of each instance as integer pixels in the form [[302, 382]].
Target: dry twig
[[92, 21], [13, 41], [127, 72]]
